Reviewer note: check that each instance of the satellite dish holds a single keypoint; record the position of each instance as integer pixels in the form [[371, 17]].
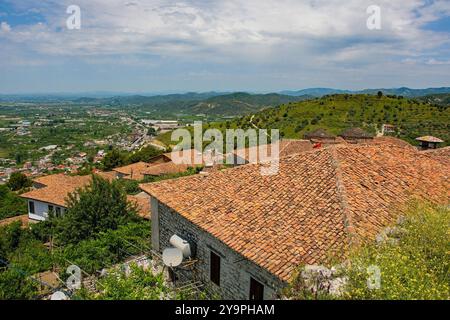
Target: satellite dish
[[58, 295], [172, 257]]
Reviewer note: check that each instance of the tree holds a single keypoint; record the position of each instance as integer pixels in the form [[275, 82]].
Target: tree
[[15, 285], [18, 181], [145, 154], [114, 159], [151, 131], [100, 206], [10, 203], [380, 94]]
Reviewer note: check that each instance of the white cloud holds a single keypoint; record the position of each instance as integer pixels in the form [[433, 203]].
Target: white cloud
[[438, 62], [5, 27], [303, 36]]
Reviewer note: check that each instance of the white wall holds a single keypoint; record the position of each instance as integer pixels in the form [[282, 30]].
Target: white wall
[[40, 210]]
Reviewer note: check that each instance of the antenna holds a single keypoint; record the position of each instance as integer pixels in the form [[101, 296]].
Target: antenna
[[172, 257]]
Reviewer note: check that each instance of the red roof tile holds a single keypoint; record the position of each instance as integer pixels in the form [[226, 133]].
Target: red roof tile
[[319, 203]]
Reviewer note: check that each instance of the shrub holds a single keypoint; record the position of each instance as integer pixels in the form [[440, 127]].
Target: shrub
[[412, 258], [414, 263]]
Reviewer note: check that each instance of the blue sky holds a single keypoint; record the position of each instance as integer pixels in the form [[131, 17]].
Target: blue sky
[[198, 45]]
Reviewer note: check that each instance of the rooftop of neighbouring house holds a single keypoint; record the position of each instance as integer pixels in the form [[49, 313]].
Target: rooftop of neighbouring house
[[355, 133], [442, 154], [22, 218], [108, 175], [134, 171], [158, 169], [429, 139], [142, 202], [56, 188], [286, 147], [189, 156], [318, 204], [319, 134], [392, 141]]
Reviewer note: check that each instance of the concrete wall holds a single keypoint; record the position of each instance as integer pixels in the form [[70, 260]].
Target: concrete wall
[[235, 270]]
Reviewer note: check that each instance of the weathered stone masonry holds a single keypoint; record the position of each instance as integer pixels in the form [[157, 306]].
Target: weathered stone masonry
[[235, 270]]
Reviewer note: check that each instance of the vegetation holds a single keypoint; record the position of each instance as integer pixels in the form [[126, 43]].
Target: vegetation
[[10, 203], [414, 262], [69, 126], [18, 181], [136, 284], [116, 158], [99, 229], [412, 259], [98, 207], [338, 112], [144, 155], [21, 256], [106, 248], [113, 159]]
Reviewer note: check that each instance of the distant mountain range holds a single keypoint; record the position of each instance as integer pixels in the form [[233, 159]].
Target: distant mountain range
[[404, 91], [218, 104], [191, 96]]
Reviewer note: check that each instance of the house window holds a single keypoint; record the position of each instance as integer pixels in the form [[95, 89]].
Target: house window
[[58, 211], [256, 290], [31, 207], [50, 208], [215, 268]]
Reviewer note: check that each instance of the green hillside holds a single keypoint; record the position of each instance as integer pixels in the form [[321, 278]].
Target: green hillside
[[439, 99], [242, 103], [338, 112], [212, 104]]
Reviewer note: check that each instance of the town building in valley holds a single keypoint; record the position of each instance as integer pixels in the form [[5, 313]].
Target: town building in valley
[[247, 233]]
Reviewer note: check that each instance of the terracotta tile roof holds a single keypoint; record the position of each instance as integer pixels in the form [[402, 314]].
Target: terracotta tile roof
[[108, 175], [287, 147], [319, 203], [23, 218], [429, 139], [355, 133], [319, 134], [142, 202], [134, 171], [165, 168], [441, 154], [392, 141], [191, 158], [57, 188]]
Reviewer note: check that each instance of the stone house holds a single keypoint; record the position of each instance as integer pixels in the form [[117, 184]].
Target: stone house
[[249, 233]]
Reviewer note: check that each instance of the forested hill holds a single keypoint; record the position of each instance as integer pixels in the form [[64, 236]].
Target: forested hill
[[241, 103], [211, 104], [337, 112], [439, 99]]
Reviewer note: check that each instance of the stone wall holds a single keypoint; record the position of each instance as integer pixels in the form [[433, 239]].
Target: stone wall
[[235, 270]]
